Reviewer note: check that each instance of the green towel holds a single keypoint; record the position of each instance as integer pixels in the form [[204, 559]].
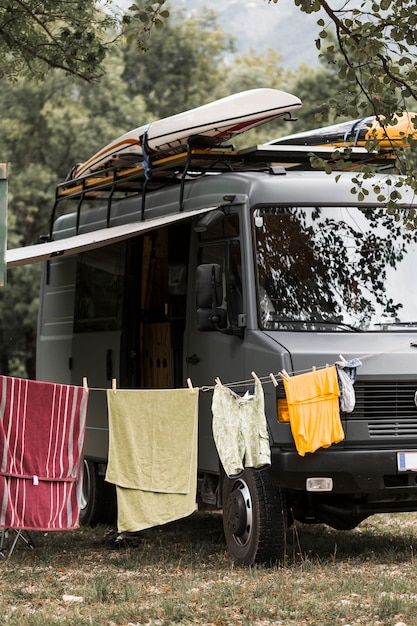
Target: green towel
[[137, 509], [152, 455]]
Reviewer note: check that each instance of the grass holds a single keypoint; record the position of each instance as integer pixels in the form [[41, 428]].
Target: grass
[[182, 574]]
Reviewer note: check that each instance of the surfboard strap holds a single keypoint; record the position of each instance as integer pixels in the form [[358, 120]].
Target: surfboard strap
[[146, 161]]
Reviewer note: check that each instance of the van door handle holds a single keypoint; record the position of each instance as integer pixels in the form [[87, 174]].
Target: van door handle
[[193, 360]]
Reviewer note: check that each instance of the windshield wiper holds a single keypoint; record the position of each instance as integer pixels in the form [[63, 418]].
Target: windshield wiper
[[395, 323], [318, 322], [336, 323]]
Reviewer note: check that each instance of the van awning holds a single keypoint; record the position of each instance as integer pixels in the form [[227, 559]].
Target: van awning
[[95, 239]]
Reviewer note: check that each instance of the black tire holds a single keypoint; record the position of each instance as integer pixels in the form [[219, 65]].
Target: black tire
[[254, 519], [98, 497]]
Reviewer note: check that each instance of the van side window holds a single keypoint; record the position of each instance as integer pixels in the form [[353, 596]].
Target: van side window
[[99, 289]]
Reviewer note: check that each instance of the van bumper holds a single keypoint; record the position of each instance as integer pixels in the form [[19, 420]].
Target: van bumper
[[355, 472]]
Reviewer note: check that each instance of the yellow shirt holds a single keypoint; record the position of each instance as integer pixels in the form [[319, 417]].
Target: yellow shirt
[[313, 406]]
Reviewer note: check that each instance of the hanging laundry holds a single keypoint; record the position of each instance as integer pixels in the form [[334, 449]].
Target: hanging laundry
[[240, 429], [346, 374], [42, 431], [152, 455], [313, 406]]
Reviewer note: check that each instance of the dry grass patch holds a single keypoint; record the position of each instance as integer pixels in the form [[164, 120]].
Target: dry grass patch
[[182, 574]]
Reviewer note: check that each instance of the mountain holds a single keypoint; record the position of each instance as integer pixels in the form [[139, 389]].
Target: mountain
[[258, 25]]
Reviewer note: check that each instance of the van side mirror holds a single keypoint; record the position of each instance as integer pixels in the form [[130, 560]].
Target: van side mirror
[[209, 292], [209, 286]]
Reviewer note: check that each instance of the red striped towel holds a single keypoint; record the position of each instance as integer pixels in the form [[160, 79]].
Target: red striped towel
[[42, 429]]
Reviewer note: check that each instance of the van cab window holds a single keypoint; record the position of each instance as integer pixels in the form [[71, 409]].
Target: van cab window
[[226, 227], [334, 269], [226, 252]]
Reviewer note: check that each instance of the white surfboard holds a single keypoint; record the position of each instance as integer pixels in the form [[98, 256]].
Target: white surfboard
[[211, 123]]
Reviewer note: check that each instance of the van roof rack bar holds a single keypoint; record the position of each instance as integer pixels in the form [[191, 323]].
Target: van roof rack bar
[[143, 203], [184, 175], [204, 159], [160, 163], [55, 206], [109, 204], [52, 219], [163, 167], [77, 227]]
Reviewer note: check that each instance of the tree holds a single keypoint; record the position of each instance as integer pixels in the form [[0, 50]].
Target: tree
[[182, 68], [374, 53], [148, 14], [45, 128], [253, 70], [190, 62], [376, 39], [36, 35]]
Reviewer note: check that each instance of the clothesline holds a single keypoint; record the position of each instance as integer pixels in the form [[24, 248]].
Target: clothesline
[[275, 379], [268, 378], [271, 378]]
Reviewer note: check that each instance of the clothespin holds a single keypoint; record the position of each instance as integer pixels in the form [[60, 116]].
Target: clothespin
[[342, 358], [284, 374], [113, 385], [189, 383], [313, 369], [255, 377], [274, 380], [85, 384], [218, 382]]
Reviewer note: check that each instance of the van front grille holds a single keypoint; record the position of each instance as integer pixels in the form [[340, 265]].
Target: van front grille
[[388, 407]]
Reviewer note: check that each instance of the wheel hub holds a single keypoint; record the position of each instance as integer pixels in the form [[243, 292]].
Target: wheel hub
[[239, 512]]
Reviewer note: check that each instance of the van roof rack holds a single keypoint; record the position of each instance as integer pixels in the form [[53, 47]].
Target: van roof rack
[[187, 162]]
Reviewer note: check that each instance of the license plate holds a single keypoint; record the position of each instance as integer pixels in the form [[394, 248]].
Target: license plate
[[407, 461]]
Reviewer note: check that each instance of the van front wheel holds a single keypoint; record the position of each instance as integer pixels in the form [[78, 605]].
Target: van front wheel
[[254, 518]]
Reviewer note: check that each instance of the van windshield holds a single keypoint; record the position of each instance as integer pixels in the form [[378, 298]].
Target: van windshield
[[335, 269]]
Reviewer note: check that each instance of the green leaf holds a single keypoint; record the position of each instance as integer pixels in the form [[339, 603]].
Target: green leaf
[[385, 5]]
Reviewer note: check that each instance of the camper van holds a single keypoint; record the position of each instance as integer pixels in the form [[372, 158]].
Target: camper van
[[222, 266]]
